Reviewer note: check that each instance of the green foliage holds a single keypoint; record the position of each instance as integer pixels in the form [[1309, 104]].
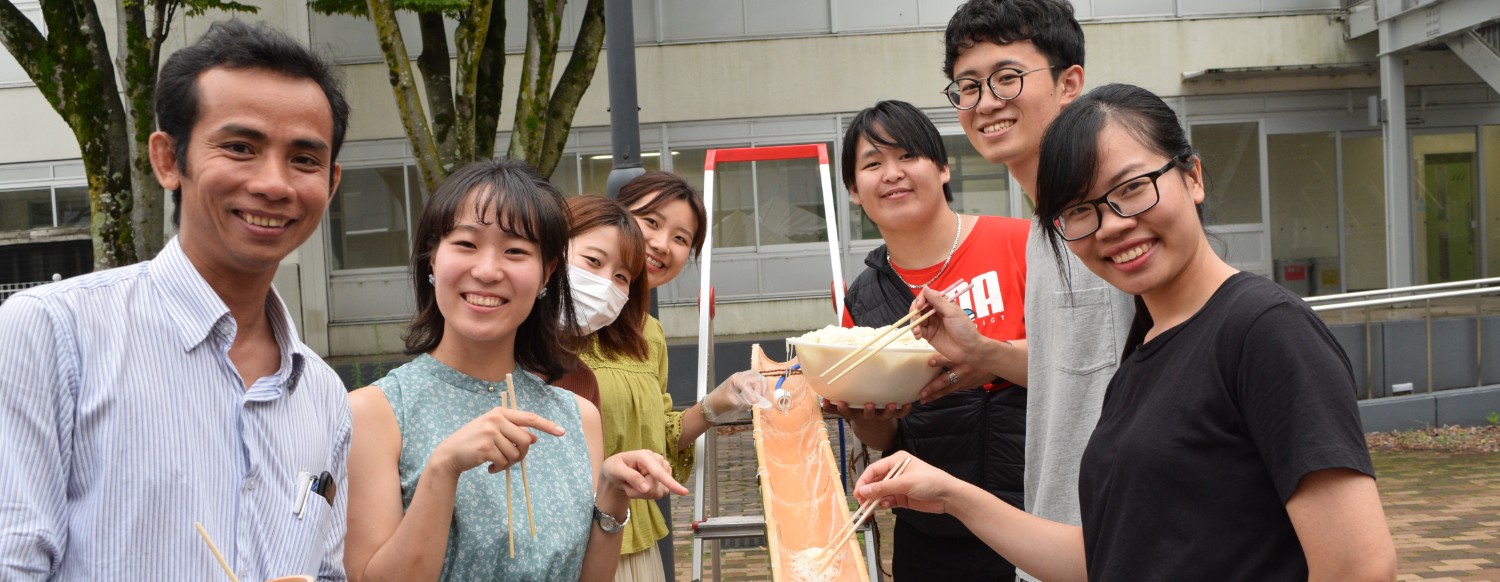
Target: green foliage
[[1493, 418], [199, 7], [450, 8]]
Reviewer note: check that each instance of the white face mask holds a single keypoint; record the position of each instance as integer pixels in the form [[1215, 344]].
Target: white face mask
[[596, 300]]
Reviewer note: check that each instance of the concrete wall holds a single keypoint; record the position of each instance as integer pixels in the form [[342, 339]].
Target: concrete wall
[[833, 73]]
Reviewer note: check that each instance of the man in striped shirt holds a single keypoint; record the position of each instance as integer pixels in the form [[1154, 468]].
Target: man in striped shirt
[[139, 400]]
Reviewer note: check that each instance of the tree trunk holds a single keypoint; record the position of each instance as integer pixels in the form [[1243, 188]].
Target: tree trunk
[[543, 27], [142, 49], [434, 63], [470, 38], [112, 201], [571, 87], [490, 85], [408, 102]]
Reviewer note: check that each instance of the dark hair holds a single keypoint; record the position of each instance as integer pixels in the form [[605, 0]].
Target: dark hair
[[894, 124], [232, 44], [1069, 159], [522, 203], [1048, 24], [668, 187], [623, 336]]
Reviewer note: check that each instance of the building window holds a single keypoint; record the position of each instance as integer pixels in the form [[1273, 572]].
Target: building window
[[1305, 211], [371, 216], [759, 204], [594, 171], [979, 187], [44, 207], [1231, 160], [1364, 212], [73, 206]]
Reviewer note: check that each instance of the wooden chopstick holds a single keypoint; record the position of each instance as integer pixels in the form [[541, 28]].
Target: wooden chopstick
[[870, 352], [891, 333], [878, 337], [510, 388], [894, 326], [859, 516], [510, 522], [215, 549]]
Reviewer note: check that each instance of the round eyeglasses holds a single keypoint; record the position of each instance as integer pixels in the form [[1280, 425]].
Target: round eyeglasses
[[1005, 84], [1126, 199]]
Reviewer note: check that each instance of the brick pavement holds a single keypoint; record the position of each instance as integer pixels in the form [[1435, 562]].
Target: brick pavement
[[1444, 514], [1443, 510]]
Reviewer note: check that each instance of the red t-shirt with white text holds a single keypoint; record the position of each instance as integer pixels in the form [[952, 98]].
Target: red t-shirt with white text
[[993, 260]]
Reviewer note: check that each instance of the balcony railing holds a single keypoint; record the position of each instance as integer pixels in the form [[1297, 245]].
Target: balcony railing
[[8, 289], [1452, 302]]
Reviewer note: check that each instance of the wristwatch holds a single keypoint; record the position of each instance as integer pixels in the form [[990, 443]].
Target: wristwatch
[[607, 523]]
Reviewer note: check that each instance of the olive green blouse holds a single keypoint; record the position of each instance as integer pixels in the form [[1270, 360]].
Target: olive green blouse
[[637, 413]]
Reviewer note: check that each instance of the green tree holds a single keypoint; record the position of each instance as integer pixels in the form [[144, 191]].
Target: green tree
[[73, 68], [463, 83]]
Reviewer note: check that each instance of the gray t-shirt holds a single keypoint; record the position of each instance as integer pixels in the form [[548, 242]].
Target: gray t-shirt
[[1076, 330]]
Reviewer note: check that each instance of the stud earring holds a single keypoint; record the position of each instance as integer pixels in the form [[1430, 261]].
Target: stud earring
[[542, 294], [431, 280]]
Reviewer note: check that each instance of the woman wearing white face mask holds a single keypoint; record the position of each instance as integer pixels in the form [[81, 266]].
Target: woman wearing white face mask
[[606, 270]]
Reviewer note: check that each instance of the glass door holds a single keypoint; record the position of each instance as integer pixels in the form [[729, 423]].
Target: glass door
[[1447, 223]]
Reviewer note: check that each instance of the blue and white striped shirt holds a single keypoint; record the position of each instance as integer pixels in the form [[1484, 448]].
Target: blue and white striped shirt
[[123, 421]]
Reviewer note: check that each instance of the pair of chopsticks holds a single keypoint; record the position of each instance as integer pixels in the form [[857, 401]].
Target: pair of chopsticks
[[891, 334], [859, 517], [510, 389]]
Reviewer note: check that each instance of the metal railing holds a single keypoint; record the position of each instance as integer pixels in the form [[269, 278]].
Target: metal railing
[[8, 289], [1412, 296]]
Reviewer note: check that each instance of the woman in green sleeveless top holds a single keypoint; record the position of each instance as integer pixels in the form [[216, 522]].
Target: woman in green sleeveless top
[[638, 411], [489, 297]]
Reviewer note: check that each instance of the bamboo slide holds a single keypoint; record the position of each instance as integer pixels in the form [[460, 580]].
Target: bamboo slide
[[799, 485]]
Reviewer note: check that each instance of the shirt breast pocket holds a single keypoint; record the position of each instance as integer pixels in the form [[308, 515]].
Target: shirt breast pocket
[[309, 536], [1090, 342]]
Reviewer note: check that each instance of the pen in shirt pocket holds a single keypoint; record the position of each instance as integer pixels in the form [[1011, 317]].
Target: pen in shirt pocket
[[303, 484]]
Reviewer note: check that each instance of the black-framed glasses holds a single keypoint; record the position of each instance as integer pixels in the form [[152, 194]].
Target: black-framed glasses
[[1126, 199], [1005, 84]]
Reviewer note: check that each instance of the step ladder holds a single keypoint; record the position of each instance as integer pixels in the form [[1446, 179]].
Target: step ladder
[[708, 526]]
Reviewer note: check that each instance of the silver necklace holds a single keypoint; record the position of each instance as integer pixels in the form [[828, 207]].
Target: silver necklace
[[956, 231]]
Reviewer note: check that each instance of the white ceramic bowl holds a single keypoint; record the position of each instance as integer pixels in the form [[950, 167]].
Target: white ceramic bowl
[[894, 375]]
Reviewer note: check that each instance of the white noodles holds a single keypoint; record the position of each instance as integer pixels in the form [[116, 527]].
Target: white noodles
[[858, 336]]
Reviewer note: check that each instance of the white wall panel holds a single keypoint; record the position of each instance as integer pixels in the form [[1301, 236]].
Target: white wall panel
[[772, 17], [937, 12], [1133, 8], [876, 14], [702, 19], [1196, 7]]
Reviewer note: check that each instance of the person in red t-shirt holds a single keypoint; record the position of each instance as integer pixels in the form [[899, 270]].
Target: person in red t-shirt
[[896, 168]]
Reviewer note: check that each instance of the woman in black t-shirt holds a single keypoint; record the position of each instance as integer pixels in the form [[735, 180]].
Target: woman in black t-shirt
[[1229, 446]]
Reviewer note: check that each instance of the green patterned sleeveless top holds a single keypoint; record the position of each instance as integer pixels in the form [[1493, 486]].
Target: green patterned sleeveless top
[[431, 401]]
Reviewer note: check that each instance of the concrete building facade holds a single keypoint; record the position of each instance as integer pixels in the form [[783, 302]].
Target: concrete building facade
[[1349, 146]]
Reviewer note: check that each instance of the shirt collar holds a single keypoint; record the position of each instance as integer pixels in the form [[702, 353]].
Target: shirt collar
[[198, 312], [192, 304]]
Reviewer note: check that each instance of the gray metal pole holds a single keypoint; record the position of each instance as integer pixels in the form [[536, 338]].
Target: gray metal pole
[[625, 145], [624, 113]]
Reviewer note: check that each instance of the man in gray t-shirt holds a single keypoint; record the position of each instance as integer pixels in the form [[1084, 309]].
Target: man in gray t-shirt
[[1080, 324], [1014, 64]]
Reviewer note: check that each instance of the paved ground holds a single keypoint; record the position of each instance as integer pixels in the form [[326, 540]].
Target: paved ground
[[1444, 513], [1443, 510]]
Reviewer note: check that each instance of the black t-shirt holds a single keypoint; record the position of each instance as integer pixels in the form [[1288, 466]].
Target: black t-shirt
[[1205, 433]]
